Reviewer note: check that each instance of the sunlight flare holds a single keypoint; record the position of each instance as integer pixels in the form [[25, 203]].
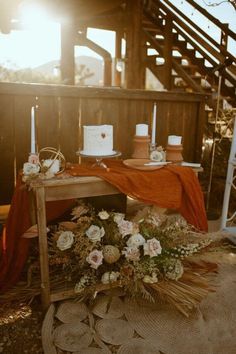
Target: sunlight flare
[[34, 15]]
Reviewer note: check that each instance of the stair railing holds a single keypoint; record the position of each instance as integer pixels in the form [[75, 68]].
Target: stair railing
[[159, 10]]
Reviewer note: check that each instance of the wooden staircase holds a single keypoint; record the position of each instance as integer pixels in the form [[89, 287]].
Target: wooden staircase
[[187, 57]]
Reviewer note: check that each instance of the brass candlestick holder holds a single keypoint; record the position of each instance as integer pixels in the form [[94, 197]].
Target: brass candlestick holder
[[141, 147], [174, 153]]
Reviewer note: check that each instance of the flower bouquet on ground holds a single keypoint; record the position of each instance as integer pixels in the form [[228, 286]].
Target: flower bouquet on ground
[[150, 255]]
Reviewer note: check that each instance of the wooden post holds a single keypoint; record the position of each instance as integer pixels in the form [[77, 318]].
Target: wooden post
[[43, 247], [224, 41], [107, 75], [201, 121], [224, 36], [107, 71], [167, 51], [118, 55], [134, 65], [67, 53]]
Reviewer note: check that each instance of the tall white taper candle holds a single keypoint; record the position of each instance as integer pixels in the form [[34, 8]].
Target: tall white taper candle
[[33, 151], [153, 140]]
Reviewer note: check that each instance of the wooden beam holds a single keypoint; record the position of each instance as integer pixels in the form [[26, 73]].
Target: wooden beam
[[95, 7], [134, 65], [107, 75], [67, 53], [167, 51], [118, 55], [112, 21]]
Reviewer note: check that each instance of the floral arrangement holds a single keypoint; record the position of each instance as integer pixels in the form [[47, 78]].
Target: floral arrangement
[[157, 154], [144, 256], [37, 167]]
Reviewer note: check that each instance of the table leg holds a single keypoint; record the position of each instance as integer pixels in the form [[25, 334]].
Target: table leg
[[43, 247]]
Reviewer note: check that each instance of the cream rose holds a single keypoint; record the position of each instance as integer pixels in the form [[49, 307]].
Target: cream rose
[[125, 227], [110, 277], [65, 240], [103, 215], [118, 217], [135, 240], [30, 169], [152, 247], [95, 233], [95, 259]]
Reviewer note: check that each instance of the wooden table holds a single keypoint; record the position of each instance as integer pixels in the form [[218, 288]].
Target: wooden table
[[61, 189], [54, 190]]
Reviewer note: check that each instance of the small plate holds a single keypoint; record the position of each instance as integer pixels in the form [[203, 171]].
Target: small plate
[[139, 164]]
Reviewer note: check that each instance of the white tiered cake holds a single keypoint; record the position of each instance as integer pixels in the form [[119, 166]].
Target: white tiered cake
[[98, 140]]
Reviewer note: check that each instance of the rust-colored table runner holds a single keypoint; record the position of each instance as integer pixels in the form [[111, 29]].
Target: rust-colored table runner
[[172, 186]]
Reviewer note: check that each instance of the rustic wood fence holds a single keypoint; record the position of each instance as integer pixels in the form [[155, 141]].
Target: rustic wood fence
[[63, 110]]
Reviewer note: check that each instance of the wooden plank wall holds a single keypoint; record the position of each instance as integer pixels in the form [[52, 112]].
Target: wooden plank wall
[[63, 110]]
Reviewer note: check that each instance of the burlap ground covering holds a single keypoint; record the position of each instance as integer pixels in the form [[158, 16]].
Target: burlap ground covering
[[148, 329], [70, 312], [138, 346], [72, 336], [107, 307], [114, 331]]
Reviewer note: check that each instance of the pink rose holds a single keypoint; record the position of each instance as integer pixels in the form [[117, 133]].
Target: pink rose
[[125, 227], [95, 259], [152, 248]]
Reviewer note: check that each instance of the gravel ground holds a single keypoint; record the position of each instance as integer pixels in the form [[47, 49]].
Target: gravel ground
[[20, 328]]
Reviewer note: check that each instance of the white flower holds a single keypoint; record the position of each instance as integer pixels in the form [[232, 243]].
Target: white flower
[[30, 168], [95, 233], [110, 277], [150, 278], [156, 155], [135, 240], [95, 259], [65, 240], [78, 287], [84, 280], [125, 227], [131, 253], [174, 270], [152, 247], [118, 217], [103, 215]]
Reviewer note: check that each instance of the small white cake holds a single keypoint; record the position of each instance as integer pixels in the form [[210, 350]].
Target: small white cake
[[98, 140]]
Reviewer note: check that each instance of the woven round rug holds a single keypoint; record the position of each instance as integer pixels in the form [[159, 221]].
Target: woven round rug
[[108, 307], [47, 331], [73, 337], [69, 312], [162, 324], [138, 346], [91, 350], [219, 312], [114, 331]]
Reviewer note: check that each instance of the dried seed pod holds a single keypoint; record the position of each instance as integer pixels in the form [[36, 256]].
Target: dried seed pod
[[111, 254]]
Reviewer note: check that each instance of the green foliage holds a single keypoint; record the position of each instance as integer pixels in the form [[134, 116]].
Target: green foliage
[[29, 75]]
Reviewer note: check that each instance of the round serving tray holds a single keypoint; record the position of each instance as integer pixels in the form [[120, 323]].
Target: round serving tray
[[141, 164]]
